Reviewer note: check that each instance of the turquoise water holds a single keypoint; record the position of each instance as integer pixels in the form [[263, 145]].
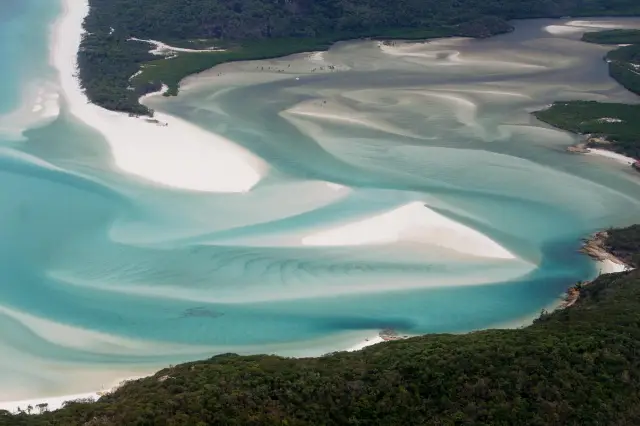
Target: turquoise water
[[106, 276]]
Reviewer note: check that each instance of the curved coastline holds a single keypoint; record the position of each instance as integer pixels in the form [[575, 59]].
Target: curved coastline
[[133, 162], [168, 151]]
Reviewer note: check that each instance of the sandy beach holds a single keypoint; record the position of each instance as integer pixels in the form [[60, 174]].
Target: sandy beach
[[170, 152], [627, 161]]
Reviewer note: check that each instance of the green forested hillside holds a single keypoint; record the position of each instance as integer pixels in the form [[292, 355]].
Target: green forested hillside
[[578, 366], [262, 28]]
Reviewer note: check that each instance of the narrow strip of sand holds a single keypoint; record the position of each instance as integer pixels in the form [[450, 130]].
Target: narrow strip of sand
[[164, 49], [170, 151], [622, 159]]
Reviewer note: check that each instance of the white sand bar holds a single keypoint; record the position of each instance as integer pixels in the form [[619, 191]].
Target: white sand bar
[[612, 155], [171, 152], [165, 49], [411, 222]]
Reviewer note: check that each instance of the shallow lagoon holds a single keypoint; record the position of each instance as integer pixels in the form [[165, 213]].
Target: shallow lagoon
[[107, 275]]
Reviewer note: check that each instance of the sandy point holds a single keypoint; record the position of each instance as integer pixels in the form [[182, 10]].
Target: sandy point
[[166, 151], [411, 222]]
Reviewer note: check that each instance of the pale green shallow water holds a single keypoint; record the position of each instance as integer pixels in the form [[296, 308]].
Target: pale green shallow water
[[85, 246]]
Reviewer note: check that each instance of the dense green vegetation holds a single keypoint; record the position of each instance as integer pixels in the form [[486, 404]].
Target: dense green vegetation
[[586, 117], [255, 29], [592, 117], [624, 66], [578, 366], [613, 37], [625, 244]]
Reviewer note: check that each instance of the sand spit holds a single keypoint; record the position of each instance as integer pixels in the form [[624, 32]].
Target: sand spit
[[444, 52], [622, 159], [412, 222], [167, 151], [581, 26], [163, 49]]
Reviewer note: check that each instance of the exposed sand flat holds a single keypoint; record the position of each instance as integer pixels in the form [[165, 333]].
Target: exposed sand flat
[[581, 26], [411, 222], [596, 24], [490, 92], [612, 155], [165, 49], [171, 152], [443, 52], [562, 29], [422, 50]]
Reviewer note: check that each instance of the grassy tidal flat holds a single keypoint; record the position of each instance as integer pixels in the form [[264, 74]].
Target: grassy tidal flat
[[296, 205]]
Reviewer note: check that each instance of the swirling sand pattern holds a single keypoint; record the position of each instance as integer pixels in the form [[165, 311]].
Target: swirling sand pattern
[[400, 185]]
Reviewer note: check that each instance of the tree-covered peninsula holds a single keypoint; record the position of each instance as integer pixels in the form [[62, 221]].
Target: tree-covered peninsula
[[614, 126], [576, 366], [258, 29]]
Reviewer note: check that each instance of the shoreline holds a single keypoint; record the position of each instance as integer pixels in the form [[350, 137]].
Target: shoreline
[[595, 247], [584, 148], [165, 120], [167, 151], [54, 403]]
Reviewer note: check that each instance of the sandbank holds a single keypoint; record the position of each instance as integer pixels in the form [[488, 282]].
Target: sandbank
[[411, 222], [609, 266], [165, 49], [582, 26], [622, 159], [168, 151]]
